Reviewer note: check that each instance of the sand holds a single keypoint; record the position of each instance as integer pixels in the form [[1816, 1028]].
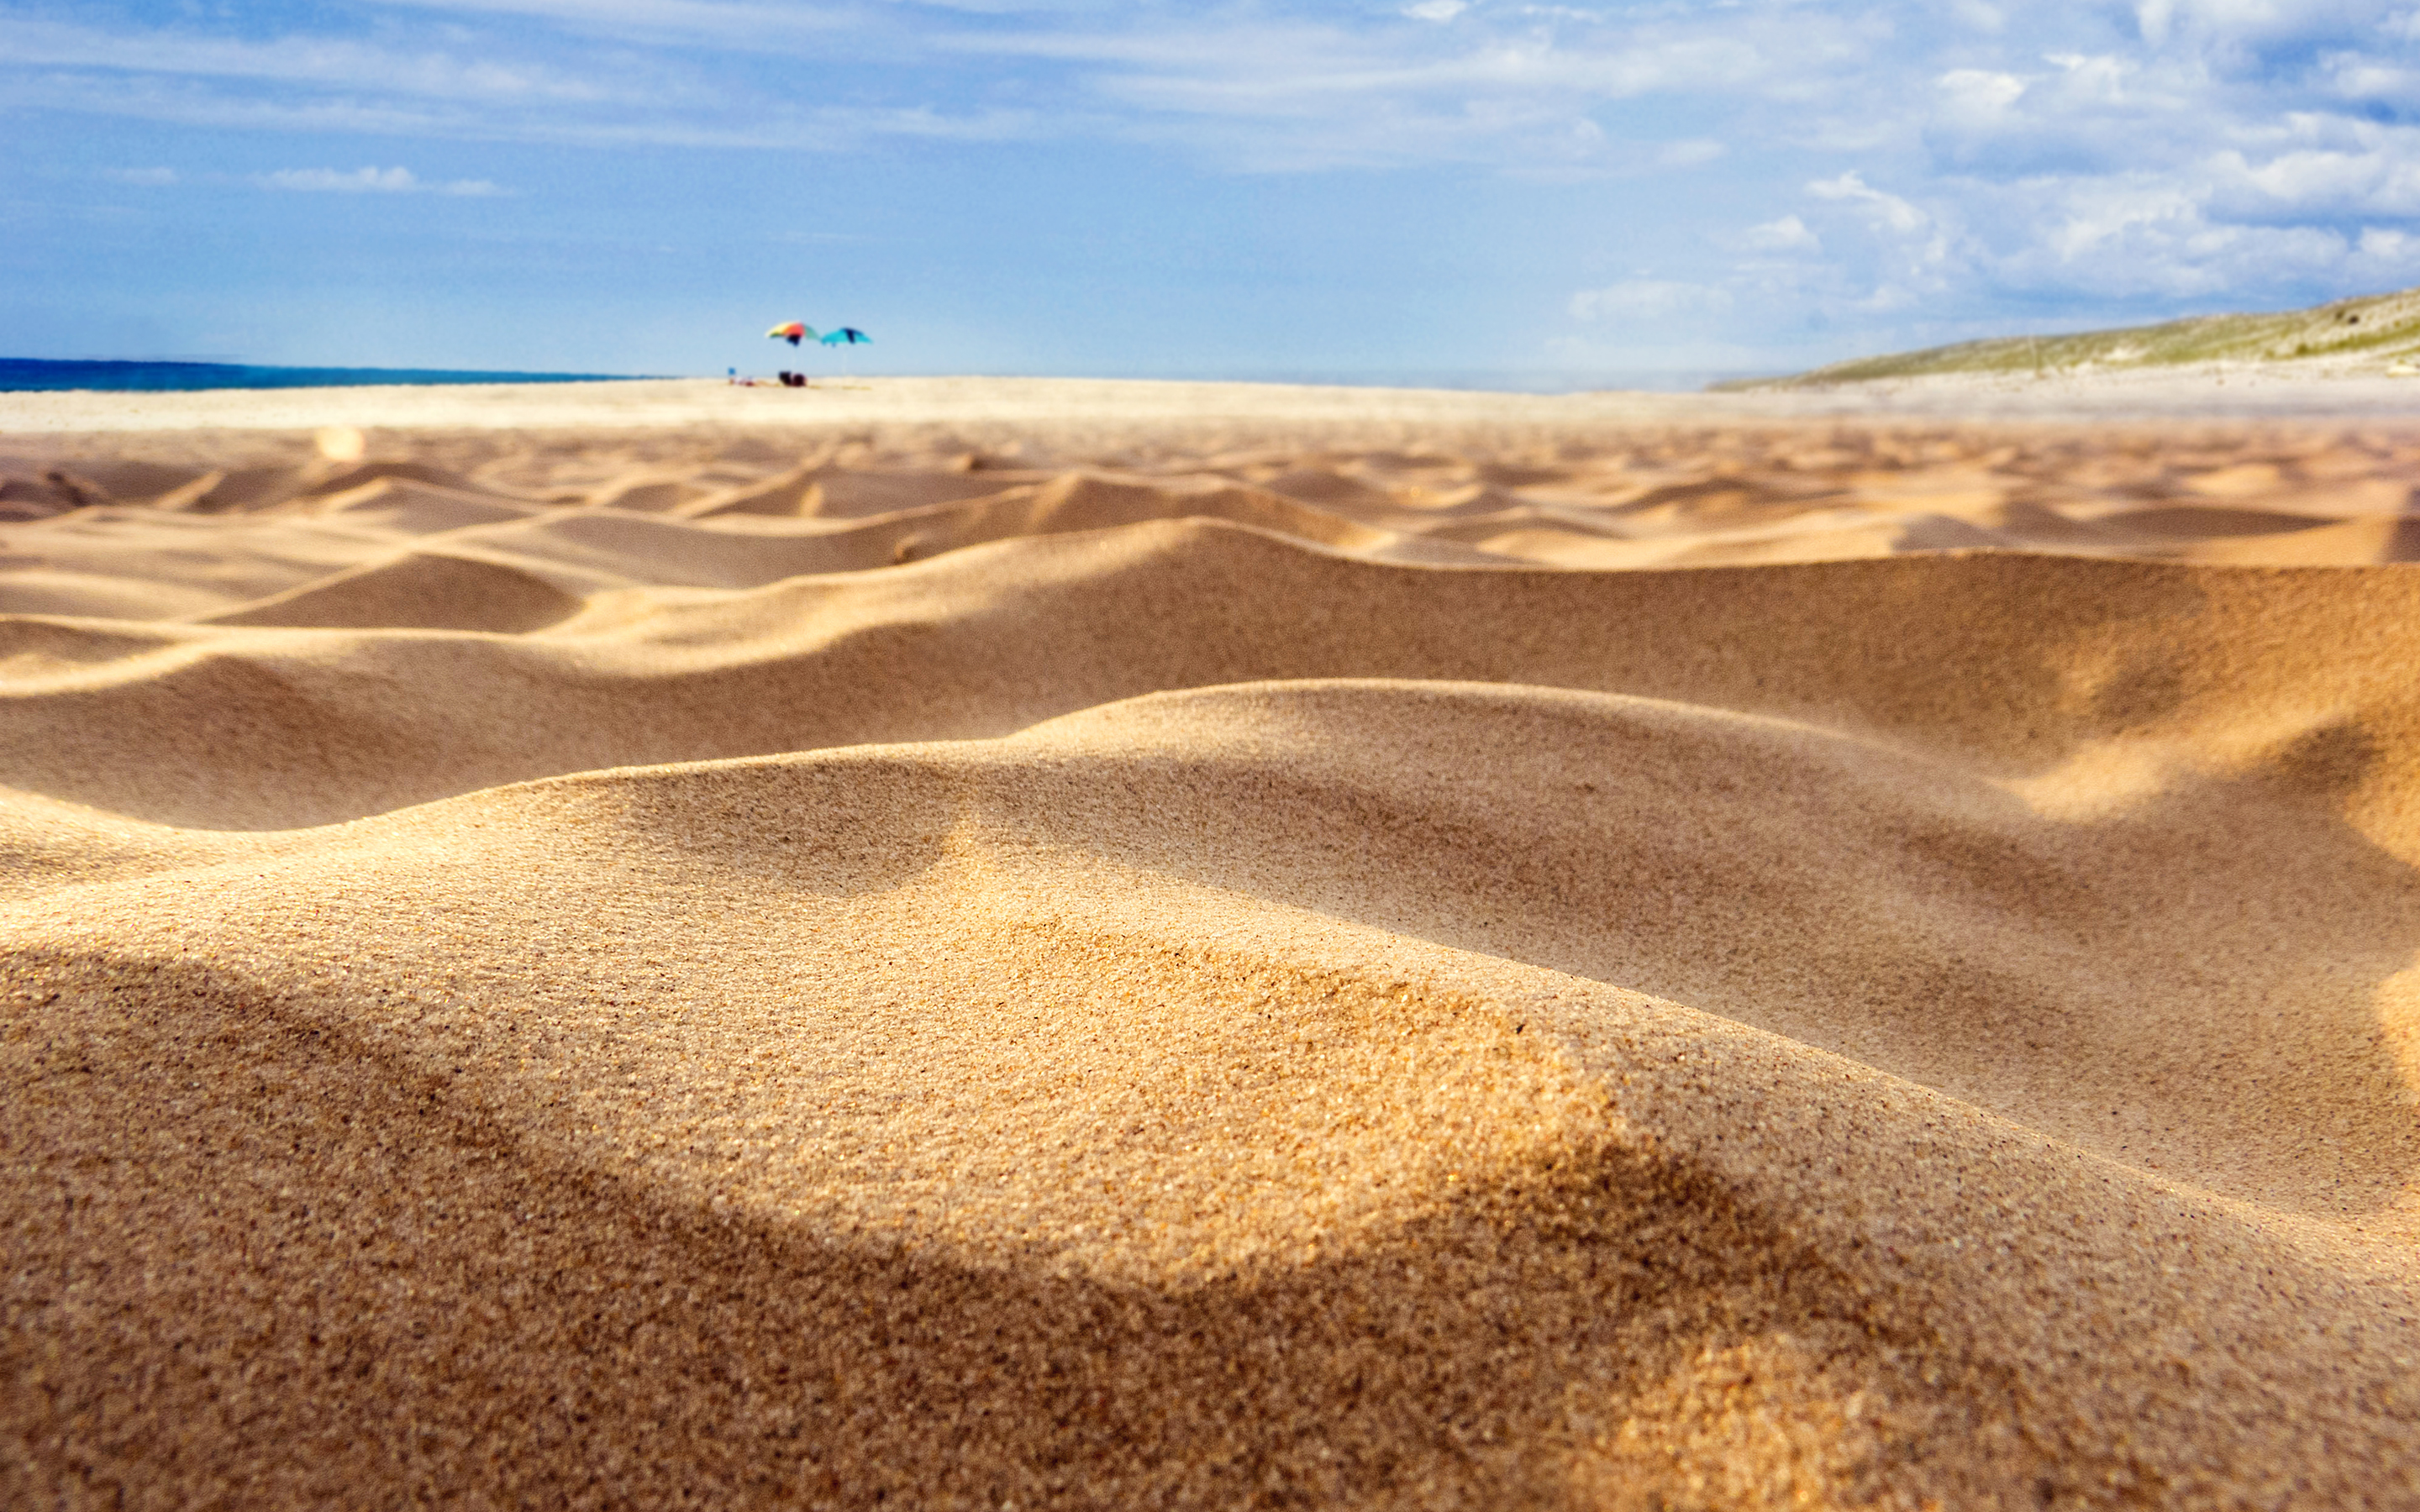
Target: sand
[[1045, 944]]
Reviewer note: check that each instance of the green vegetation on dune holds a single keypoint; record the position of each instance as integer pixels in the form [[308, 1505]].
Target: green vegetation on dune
[[2381, 328]]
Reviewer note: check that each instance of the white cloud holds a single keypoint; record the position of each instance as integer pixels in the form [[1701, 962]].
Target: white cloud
[[1979, 93], [2359, 77], [147, 178], [2099, 78], [1689, 154], [1290, 87], [782, 27], [2098, 218], [1888, 209], [428, 72], [1649, 299], [373, 181], [1787, 235], [1440, 10], [2381, 178], [2230, 24], [667, 119], [2389, 246]]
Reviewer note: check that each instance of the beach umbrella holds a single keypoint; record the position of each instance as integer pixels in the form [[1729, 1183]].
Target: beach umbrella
[[846, 338], [793, 332]]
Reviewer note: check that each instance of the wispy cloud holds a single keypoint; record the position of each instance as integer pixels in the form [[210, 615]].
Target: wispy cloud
[[1887, 210], [373, 181], [419, 72], [1282, 87], [603, 99], [712, 21], [1651, 300]]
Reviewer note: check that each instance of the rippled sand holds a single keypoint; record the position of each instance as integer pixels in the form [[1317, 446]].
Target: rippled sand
[[1678, 956]]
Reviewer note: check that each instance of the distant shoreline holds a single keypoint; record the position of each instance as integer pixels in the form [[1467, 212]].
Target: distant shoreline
[[43, 374]]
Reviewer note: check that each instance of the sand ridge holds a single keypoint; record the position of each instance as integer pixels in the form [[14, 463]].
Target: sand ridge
[[1687, 965]]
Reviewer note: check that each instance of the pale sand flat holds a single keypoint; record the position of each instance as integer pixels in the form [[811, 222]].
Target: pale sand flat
[[1085, 406], [1209, 957]]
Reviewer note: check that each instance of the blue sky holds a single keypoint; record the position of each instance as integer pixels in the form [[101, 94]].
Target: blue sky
[[1427, 187]]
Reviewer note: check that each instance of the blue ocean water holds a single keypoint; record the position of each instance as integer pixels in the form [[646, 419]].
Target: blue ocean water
[[21, 373]]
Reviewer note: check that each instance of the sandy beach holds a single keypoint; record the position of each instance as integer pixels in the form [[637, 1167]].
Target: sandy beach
[[1018, 943]]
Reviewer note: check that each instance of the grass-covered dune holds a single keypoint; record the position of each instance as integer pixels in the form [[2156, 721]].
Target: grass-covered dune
[[2381, 328]]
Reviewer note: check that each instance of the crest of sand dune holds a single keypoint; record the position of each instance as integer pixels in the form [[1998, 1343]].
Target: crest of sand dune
[[1377, 959]]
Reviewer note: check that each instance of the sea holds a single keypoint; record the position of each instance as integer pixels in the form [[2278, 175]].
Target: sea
[[28, 373]]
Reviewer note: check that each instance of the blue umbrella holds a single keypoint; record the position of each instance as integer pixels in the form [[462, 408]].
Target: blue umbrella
[[847, 336]]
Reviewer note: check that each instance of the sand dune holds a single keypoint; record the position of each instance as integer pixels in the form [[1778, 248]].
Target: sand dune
[[1802, 962]]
